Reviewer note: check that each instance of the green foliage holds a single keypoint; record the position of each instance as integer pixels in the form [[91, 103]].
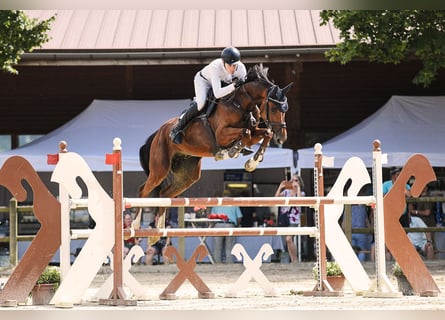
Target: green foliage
[[332, 269], [19, 34], [387, 36], [396, 270], [51, 274]]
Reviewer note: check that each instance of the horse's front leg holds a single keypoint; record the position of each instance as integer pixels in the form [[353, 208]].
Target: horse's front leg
[[266, 135], [240, 143], [236, 138]]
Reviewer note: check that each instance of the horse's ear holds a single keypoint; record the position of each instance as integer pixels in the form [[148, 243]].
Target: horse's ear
[[286, 88], [274, 91]]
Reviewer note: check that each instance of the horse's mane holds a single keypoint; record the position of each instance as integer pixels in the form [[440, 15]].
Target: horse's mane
[[258, 73]]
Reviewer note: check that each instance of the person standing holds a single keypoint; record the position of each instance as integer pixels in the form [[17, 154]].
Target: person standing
[[387, 185], [289, 216], [361, 218], [234, 217]]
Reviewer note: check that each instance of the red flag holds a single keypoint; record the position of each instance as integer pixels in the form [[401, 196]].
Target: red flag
[[52, 158], [112, 158]]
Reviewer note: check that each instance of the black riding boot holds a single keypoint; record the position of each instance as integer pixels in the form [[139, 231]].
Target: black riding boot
[[177, 132]]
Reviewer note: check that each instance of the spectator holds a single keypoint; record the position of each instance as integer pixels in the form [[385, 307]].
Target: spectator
[[157, 246], [234, 216], [421, 240], [361, 242], [249, 214], [387, 185], [289, 216], [130, 242], [404, 219], [424, 210]]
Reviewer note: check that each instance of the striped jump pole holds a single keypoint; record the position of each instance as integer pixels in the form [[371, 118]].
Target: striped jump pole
[[312, 202], [220, 232]]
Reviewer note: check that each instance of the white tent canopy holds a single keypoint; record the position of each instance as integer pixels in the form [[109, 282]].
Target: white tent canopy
[[405, 125], [91, 134]]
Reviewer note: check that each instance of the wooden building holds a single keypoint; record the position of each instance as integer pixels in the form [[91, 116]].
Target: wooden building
[[154, 54]]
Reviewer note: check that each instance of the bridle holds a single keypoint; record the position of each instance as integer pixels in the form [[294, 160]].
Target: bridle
[[282, 106]]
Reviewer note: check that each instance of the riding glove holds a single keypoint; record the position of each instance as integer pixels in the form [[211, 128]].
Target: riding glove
[[239, 82]]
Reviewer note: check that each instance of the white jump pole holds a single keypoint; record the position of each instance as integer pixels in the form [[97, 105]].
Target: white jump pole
[[382, 286], [65, 245]]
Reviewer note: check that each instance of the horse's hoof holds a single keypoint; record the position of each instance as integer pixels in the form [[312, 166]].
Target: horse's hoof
[[232, 154], [250, 165]]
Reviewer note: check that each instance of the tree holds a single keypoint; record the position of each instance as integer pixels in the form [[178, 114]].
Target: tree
[[390, 37], [19, 34]]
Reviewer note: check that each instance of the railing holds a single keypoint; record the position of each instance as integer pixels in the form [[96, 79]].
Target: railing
[[14, 237], [348, 219], [13, 209]]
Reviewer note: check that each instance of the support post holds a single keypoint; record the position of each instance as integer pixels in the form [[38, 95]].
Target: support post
[[13, 227], [382, 286], [323, 288], [65, 228], [118, 295]]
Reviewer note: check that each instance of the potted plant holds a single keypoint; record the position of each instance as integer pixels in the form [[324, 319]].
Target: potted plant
[[46, 286], [402, 283], [334, 275]]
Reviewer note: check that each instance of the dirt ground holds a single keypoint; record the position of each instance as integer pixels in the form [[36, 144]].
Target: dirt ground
[[289, 281]]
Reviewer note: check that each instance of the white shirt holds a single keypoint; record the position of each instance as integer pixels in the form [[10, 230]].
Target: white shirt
[[210, 77], [418, 239], [215, 72]]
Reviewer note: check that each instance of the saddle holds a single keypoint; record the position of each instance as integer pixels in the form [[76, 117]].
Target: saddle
[[208, 109]]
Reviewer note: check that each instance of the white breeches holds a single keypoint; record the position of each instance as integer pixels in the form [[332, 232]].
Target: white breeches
[[202, 86]]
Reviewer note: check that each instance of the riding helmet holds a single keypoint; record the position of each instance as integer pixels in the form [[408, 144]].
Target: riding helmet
[[230, 55]]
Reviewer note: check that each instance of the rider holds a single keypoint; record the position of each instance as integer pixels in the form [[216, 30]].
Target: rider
[[222, 75]]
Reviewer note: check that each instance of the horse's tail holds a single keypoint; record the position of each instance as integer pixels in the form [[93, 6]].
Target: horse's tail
[[144, 154]]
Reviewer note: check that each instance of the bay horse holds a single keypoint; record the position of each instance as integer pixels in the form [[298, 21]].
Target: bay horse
[[253, 112]]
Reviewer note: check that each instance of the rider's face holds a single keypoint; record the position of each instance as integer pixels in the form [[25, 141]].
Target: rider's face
[[231, 68]]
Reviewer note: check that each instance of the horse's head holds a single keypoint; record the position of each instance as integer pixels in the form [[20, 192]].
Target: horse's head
[[270, 99], [273, 111]]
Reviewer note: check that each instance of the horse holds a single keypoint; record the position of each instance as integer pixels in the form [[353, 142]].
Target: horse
[[255, 111]]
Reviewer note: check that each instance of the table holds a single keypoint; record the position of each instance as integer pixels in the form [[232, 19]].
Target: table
[[203, 223]]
